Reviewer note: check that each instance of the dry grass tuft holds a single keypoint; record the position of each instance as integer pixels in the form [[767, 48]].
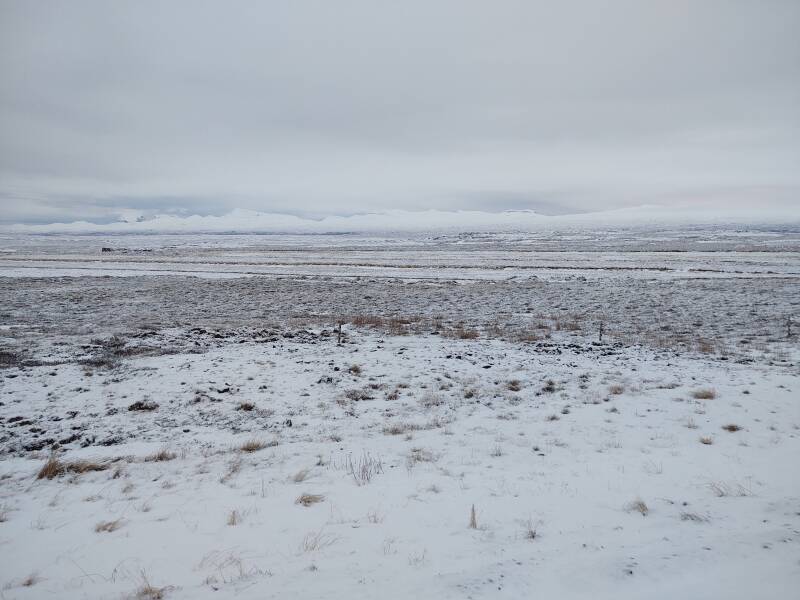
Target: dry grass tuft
[[316, 540], [420, 455], [374, 517], [233, 469], [364, 469], [722, 489], [246, 406], [732, 427], [616, 389], [639, 506], [361, 320], [301, 475], [254, 445], [530, 530], [85, 466], [354, 369], [161, 456], [234, 518], [309, 499], [358, 395], [707, 440], [705, 346], [108, 526], [54, 467], [687, 516], [465, 334], [400, 428], [147, 591], [514, 385], [473, 518], [430, 400], [704, 394]]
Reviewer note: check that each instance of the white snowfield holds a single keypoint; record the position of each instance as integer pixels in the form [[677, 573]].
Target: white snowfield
[[406, 265], [195, 438], [545, 253], [587, 473]]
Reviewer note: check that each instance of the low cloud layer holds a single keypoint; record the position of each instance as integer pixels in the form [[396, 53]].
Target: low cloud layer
[[112, 110]]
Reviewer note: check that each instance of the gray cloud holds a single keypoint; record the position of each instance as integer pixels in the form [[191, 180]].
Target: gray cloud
[[338, 107]]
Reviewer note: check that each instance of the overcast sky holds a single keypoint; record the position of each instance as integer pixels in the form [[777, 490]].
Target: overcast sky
[[316, 108]]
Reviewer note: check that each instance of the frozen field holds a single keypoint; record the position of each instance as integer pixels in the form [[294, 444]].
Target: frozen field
[[467, 256], [614, 414]]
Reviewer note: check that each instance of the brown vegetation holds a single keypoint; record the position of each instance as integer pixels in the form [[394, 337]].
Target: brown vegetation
[[54, 467], [162, 455], [256, 445], [108, 526], [309, 499]]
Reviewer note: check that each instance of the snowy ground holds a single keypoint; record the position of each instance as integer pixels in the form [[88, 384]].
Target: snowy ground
[[189, 416], [641, 253]]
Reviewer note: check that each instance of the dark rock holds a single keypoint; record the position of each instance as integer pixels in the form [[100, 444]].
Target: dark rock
[[111, 441], [143, 405], [38, 444]]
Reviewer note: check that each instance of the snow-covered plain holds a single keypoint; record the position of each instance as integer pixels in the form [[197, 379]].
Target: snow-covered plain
[[659, 462]]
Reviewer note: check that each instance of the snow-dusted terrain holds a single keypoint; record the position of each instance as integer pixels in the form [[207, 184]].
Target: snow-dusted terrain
[[614, 414]]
